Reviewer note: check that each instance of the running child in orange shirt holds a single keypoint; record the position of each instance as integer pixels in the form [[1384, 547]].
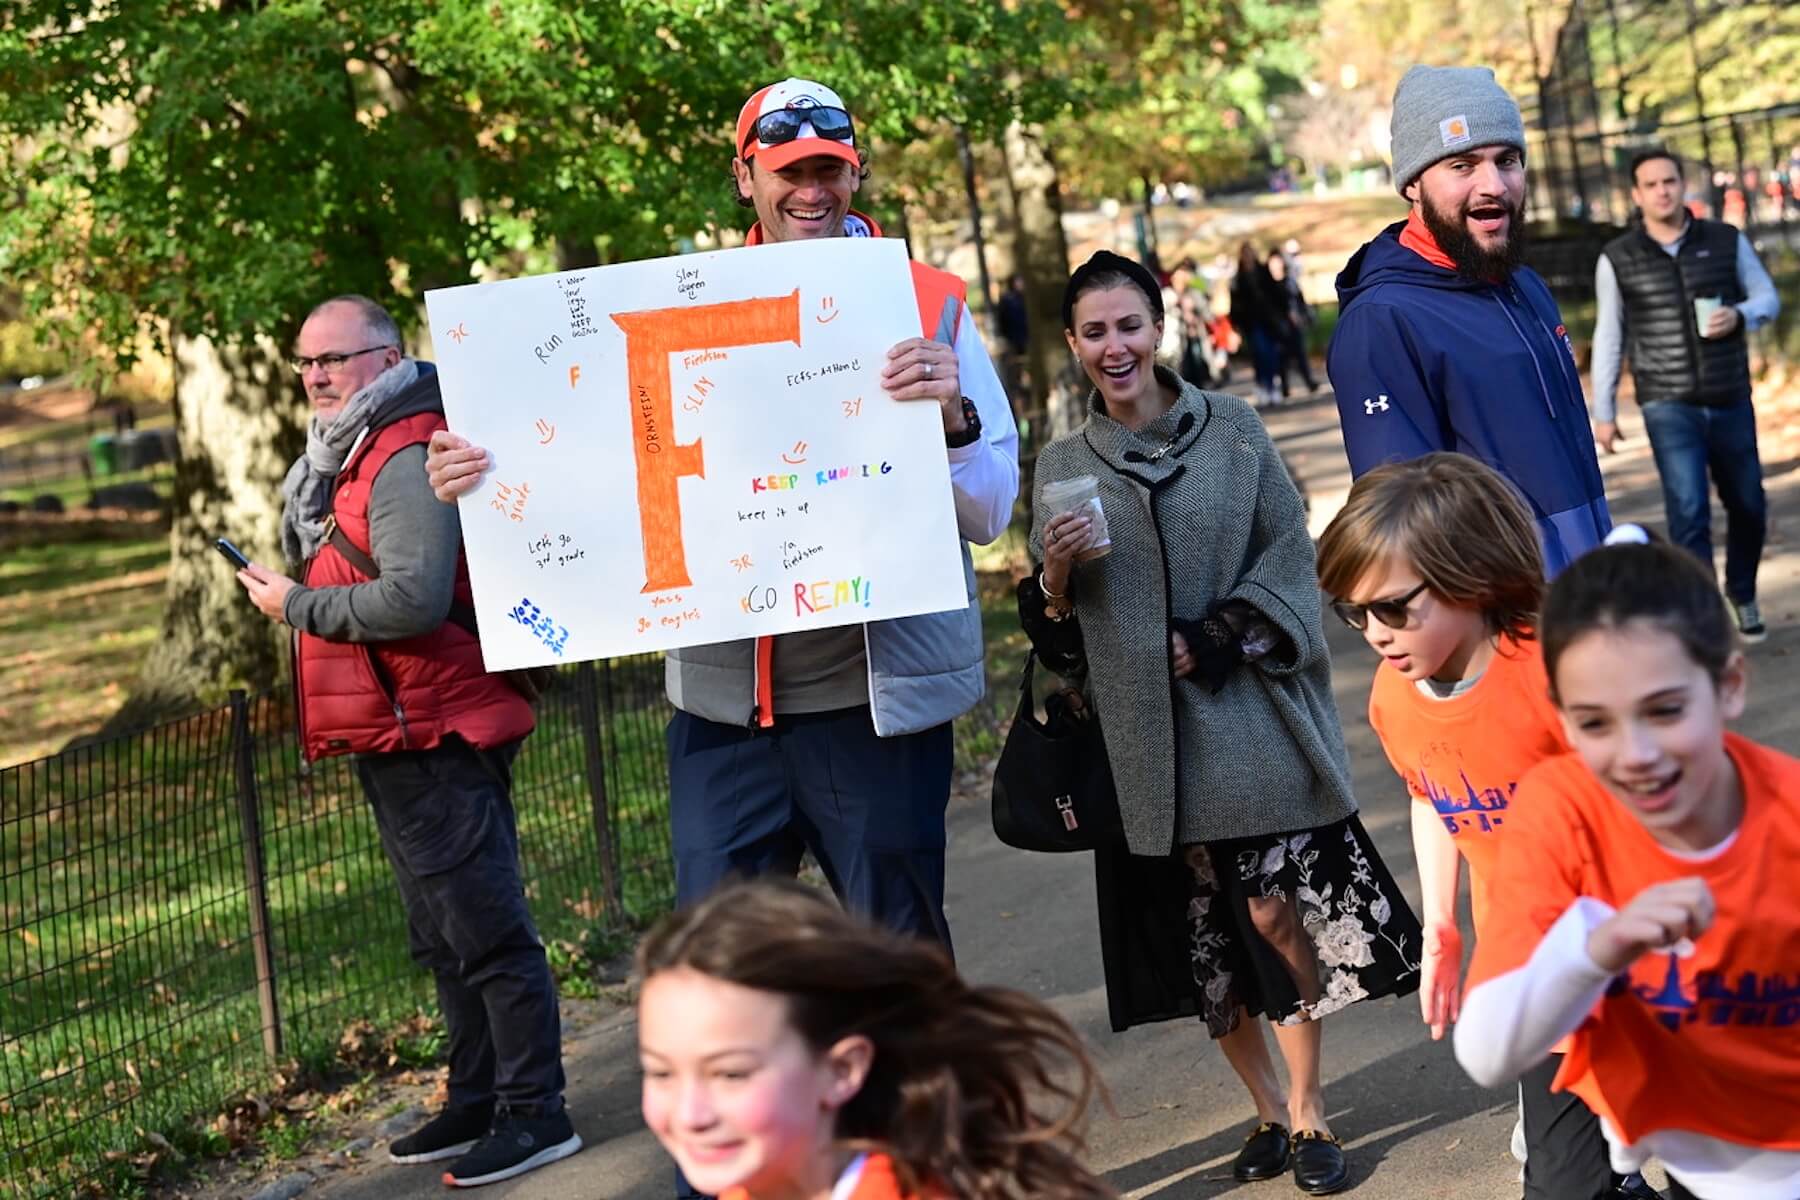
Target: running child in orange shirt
[[1436, 562], [792, 1051], [1653, 908]]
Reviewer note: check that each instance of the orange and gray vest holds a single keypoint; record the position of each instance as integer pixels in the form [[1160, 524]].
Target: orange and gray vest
[[923, 670]]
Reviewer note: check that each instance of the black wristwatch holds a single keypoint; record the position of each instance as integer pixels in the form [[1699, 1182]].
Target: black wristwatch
[[971, 433]]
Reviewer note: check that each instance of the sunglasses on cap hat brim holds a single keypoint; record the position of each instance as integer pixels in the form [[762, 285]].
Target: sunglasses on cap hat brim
[[783, 126]]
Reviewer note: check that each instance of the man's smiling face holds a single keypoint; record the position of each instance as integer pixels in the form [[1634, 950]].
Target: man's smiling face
[[807, 198]]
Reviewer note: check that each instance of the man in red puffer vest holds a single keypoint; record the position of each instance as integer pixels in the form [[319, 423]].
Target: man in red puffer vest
[[388, 669]]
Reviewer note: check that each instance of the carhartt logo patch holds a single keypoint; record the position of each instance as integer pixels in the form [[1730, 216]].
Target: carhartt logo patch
[[1454, 130], [1378, 404]]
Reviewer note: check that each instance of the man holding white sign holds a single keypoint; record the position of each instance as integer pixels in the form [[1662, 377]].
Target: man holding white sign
[[836, 739]]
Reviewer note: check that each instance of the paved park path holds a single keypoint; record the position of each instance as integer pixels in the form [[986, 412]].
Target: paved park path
[[1413, 1124]]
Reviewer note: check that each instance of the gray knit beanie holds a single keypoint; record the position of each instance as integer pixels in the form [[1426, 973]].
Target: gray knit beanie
[[1440, 111]]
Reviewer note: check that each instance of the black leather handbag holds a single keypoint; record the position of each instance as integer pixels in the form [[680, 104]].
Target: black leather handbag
[[1053, 788]]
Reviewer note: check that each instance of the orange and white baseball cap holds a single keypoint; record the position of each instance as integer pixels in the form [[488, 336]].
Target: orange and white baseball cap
[[834, 137]]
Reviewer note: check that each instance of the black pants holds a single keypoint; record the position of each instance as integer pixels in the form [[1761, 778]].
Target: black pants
[[1565, 1152], [446, 821], [1291, 343]]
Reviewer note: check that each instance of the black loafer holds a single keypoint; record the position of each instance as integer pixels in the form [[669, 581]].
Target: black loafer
[[1265, 1154], [1319, 1166], [1633, 1187]]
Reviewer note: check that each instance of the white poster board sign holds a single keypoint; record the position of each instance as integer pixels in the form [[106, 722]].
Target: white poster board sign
[[696, 449]]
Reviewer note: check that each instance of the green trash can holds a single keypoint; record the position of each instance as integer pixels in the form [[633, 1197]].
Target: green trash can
[[102, 448]]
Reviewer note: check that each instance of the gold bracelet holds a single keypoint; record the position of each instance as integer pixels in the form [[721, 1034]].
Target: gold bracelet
[[1045, 588]]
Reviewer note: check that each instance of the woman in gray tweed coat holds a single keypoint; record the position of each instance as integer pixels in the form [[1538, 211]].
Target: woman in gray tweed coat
[[1247, 886]]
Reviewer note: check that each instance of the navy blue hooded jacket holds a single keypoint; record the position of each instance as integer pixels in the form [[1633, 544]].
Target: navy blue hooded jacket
[[1425, 359]]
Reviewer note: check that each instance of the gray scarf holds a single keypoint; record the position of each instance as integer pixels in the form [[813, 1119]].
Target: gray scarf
[[306, 492]]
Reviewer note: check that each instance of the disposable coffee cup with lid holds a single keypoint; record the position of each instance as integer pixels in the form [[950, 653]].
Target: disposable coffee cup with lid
[[1081, 494]]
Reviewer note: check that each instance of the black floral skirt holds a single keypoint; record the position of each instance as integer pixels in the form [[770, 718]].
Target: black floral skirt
[[1289, 927]]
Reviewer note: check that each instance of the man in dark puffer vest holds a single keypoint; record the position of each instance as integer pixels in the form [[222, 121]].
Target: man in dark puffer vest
[[388, 669], [1681, 293]]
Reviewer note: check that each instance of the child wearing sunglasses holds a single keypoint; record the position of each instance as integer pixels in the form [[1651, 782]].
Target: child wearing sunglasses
[[1650, 878], [1436, 562]]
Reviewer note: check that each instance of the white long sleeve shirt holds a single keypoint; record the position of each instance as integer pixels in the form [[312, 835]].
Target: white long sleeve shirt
[[1510, 1022]]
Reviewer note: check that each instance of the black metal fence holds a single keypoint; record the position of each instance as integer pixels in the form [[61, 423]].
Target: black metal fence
[[1740, 167], [94, 458], [1618, 76], [182, 908]]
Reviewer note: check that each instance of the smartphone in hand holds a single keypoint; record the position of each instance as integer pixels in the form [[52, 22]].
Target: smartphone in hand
[[231, 553]]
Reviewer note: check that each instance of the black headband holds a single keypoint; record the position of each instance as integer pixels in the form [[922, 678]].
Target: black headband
[[1095, 271]]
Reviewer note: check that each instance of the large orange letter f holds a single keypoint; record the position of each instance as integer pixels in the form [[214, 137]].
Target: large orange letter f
[[650, 337]]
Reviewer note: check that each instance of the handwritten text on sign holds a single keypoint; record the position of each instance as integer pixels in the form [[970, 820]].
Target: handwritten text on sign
[[696, 450]]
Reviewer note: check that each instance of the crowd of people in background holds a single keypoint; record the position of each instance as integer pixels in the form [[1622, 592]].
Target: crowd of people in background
[[1251, 306], [1553, 695]]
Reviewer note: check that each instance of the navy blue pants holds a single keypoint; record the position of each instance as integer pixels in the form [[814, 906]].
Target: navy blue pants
[[1689, 441], [746, 802], [446, 822], [1265, 355]]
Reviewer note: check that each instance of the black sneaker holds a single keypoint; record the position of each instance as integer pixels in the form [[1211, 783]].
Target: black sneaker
[[451, 1133], [1750, 623], [519, 1143]]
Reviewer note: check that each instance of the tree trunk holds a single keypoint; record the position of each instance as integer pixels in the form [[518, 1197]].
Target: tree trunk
[[1151, 243], [1041, 255], [240, 429], [974, 196]]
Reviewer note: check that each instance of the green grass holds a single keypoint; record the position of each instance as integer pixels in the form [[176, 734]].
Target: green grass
[[132, 1003], [131, 1006], [75, 490], [77, 616], [37, 431]]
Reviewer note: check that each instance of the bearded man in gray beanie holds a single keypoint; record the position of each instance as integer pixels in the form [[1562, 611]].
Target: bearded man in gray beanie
[[1444, 340]]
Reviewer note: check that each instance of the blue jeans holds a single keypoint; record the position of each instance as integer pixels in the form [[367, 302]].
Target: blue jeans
[[1265, 355], [1690, 440]]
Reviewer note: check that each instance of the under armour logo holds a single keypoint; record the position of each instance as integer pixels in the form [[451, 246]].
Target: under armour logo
[[1371, 407]]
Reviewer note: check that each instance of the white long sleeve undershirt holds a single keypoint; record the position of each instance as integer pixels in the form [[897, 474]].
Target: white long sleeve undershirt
[[1510, 1022]]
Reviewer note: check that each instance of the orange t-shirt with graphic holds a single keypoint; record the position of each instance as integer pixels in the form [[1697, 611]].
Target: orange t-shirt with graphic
[[1464, 756], [1707, 1042]]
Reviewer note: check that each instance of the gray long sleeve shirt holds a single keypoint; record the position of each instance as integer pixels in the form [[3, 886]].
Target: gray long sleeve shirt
[[1761, 305], [414, 540]]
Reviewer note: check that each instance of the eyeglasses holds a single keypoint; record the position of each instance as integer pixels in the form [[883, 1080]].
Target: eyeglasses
[[784, 125], [1392, 613], [333, 363]]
